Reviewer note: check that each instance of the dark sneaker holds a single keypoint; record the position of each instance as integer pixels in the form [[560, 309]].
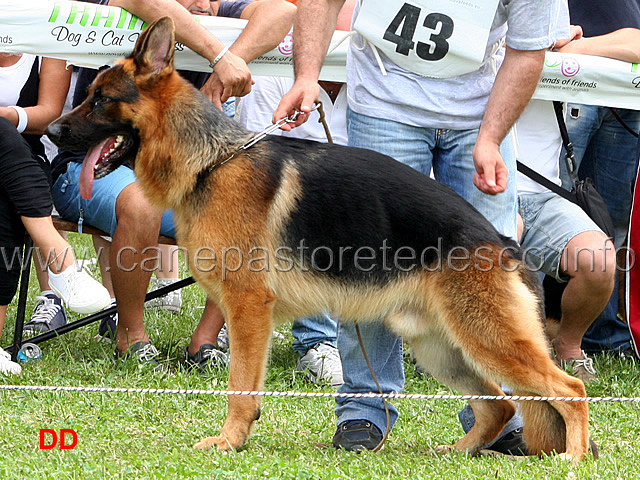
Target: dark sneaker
[[511, 444], [223, 339], [145, 353], [108, 326], [357, 435], [206, 358], [48, 314]]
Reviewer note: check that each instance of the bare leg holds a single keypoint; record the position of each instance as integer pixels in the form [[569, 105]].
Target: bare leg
[[207, 330], [54, 249], [592, 271], [3, 316], [168, 265], [138, 228], [103, 249]]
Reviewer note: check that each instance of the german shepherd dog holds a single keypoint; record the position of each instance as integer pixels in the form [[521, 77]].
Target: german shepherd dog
[[311, 227]]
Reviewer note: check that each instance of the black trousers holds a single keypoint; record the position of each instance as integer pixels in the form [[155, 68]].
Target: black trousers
[[25, 190]]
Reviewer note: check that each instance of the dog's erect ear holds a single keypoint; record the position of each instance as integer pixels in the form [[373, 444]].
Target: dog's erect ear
[[154, 49]]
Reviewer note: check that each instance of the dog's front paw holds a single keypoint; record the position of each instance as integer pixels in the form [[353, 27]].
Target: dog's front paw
[[210, 442], [444, 449]]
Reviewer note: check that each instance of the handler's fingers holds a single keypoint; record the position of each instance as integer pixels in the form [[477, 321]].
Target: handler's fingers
[[226, 94], [301, 99]]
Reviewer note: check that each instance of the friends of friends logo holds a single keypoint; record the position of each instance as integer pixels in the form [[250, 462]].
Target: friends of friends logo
[[286, 46]]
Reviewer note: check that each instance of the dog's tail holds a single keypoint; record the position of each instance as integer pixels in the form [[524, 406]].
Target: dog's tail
[[544, 429]]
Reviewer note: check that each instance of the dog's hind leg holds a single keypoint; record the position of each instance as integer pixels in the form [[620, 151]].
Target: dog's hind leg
[[249, 323], [447, 364], [495, 322]]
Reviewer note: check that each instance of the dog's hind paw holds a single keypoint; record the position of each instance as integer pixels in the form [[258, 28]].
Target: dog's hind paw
[[567, 457], [210, 442]]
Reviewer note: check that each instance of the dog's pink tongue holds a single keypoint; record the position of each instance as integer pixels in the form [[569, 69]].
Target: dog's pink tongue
[[86, 173]]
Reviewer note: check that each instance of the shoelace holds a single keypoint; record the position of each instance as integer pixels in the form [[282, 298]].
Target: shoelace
[[147, 353], [5, 354], [327, 361], [45, 310], [586, 363], [208, 353]]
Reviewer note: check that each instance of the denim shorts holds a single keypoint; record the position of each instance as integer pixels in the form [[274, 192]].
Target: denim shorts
[[550, 222], [100, 211]]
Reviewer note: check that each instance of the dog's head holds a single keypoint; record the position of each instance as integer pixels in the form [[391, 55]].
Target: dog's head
[[106, 124]]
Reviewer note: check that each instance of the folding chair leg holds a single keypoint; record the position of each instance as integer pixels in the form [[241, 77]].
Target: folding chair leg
[[22, 297]]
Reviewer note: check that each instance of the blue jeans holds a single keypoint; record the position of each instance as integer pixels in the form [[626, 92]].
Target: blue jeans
[[448, 152], [605, 152], [310, 331]]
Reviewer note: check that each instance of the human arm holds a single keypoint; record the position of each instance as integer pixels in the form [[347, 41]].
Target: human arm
[[314, 26], [514, 85], [268, 23], [232, 72], [623, 44], [52, 92]]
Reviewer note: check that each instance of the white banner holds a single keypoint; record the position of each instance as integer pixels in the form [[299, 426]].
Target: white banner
[[590, 80], [91, 35]]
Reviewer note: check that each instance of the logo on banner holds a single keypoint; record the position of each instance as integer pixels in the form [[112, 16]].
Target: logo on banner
[[286, 46], [570, 67]]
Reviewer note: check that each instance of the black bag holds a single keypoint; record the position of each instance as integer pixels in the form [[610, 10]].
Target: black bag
[[588, 198]]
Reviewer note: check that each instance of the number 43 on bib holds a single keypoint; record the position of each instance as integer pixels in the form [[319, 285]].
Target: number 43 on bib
[[433, 38]]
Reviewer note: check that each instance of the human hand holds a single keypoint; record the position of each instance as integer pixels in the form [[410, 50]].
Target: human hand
[[575, 33], [231, 77], [492, 174], [300, 98]]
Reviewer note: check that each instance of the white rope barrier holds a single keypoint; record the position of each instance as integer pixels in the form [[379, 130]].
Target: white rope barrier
[[410, 396]]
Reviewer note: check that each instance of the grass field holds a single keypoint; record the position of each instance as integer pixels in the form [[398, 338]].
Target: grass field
[[148, 436]]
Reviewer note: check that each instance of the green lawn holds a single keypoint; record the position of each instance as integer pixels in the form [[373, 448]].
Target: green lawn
[[131, 435]]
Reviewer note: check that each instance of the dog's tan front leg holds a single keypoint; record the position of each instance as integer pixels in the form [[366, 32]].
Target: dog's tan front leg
[[250, 326]]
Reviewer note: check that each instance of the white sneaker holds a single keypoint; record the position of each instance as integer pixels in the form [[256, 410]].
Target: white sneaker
[[80, 292], [171, 302], [322, 363], [7, 366]]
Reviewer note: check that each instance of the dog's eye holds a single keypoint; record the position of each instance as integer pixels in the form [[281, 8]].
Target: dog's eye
[[97, 101]]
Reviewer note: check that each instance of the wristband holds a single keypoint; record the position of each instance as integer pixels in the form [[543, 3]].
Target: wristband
[[217, 59], [23, 119]]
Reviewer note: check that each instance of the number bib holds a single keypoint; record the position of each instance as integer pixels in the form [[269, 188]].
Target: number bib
[[433, 38]]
